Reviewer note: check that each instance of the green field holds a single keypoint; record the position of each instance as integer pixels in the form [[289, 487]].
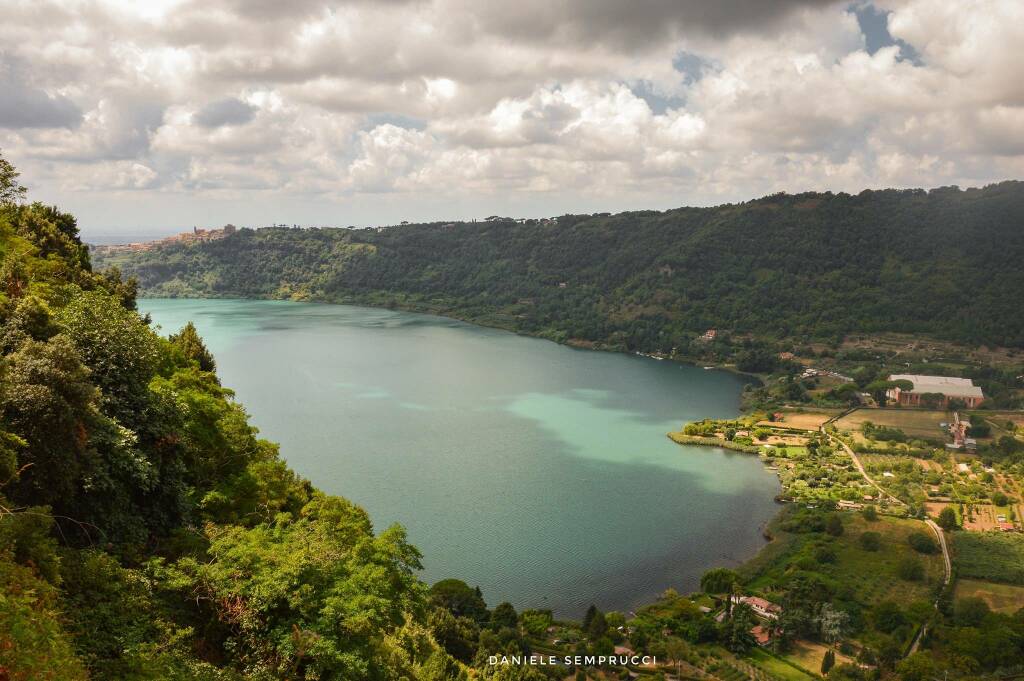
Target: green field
[[870, 576], [914, 422], [1004, 598], [776, 667], [990, 556]]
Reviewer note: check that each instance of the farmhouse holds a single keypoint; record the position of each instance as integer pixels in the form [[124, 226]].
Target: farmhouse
[[760, 606], [940, 389]]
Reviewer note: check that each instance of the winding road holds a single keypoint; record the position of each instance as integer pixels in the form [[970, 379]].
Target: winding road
[[939, 534]]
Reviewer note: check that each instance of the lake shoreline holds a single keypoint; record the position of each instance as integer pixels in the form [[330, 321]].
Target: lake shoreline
[[574, 343], [696, 392]]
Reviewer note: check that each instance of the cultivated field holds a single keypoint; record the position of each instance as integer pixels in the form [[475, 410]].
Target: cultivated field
[[913, 422], [983, 517], [990, 556], [804, 420], [1000, 597]]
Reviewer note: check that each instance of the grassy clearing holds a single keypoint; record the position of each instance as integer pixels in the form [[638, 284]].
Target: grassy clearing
[[990, 556], [777, 667], [869, 576], [913, 422], [809, 655], [805, 420], [1004, 598]]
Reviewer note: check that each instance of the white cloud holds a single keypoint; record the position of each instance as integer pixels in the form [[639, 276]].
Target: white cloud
[[316, 106]]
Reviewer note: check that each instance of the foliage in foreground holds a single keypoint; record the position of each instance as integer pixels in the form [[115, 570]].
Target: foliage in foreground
[[146, 532]]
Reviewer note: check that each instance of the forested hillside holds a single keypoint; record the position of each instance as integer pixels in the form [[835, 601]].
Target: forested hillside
[[146, 532], [944, 262]]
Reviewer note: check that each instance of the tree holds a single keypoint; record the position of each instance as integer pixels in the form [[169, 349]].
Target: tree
[[457, 596], [887, 616], [120, 350], [11, 192], [827, 662], [719, 581], [910, 569], [922, 543], [191, 345], [870, 541], [317, 596], [832, 623], [917, 667], [736, 629], [970, 611], [48, 403], [504, 616], [589, 616], [834, 525], [870, 513], [947, 519], [597, 627]]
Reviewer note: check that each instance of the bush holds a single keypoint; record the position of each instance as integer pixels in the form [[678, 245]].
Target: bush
[[910, 569], [947, 519], [922, 543], [825, 554], [834, 525], [870, 541], [870, 513]]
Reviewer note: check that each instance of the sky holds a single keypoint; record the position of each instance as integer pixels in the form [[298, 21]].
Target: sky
[[165, 114]]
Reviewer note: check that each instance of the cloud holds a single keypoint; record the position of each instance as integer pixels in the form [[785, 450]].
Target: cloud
[[227, 111], [638, 24], [536, 106], [24, 105]]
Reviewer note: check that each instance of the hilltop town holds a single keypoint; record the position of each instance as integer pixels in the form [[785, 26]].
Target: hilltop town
[[197, 235]]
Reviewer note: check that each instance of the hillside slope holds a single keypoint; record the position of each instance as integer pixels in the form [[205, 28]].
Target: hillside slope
[[944, 262]]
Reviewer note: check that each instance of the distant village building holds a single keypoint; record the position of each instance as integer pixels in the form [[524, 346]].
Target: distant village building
[[946, 387], [709, 335]]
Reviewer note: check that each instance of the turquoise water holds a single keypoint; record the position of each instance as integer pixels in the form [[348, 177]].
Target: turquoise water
[[539, 472]]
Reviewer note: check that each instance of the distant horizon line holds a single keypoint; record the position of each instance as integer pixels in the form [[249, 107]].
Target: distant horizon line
[[91, 235]]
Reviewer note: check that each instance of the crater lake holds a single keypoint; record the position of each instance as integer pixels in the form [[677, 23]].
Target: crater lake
[[540, 472]]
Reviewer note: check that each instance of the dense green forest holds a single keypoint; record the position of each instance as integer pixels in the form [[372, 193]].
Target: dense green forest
[[944, 263]]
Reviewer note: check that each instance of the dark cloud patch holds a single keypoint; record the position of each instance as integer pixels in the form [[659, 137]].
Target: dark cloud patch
[[874, 24], [23, 105], [631, 25], [228, 111]]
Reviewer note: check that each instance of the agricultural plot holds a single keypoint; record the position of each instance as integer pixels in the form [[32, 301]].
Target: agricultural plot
[[984, 517], [1004, 598], [804, 420], [871, 575], [990, 556], [914, 422], [809, 655]]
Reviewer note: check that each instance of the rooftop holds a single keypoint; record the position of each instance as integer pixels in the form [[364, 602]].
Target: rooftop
[[947, 385]]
